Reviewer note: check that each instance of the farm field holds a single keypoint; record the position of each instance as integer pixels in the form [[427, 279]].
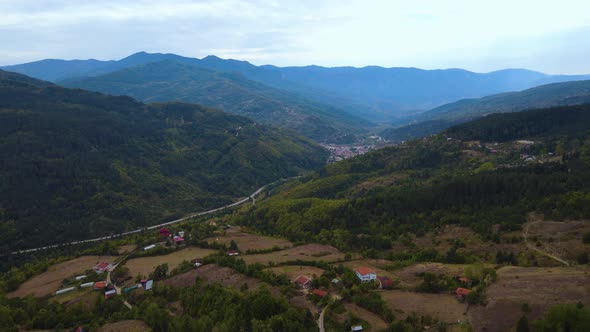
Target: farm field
[[293, 271], [560, 238], [307, 252], [125, 326], [539, 287], [443, 307], [146, 265], [249, 241], [409, 278], [375, 321], [49, 281], [213, 273]]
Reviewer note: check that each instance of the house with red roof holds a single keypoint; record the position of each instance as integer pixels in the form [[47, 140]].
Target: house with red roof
[[385, 282], [466, 281], [102, 267], [303, 281], [365, 274], [178, 239], [319, 292], [462, 293]]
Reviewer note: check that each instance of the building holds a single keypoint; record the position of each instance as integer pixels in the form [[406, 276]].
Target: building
[[233, 253], [165, 232], [178, 239], [102, 267], [99, 285], [303, 282], [319, 292], [365, 274], [109, 294], [462, 293], [356, 328], [385, 282]]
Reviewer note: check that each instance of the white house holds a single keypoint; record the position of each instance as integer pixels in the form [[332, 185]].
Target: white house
[[365, 274]]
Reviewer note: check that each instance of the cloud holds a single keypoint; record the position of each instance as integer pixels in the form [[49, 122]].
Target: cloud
[[427, 33]]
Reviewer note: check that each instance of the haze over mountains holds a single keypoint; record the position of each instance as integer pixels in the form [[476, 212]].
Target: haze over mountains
[[375, 93], [439, 118]]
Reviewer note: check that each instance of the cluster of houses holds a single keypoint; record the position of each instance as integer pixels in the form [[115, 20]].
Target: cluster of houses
[[367, 274], [364, 274], [177, 238], [461, 292]]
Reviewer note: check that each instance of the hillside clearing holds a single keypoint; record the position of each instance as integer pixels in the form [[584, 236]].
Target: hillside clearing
[[443, 307], [249, 241], [49, 281], [146, 265], [307, 252]]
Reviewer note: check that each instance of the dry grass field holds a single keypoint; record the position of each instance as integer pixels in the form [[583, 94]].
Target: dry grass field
[[293, 271], [443, 307], [539, 287], [560, 238], [249, 241], [307, 252], [146, 265], [213, 273], [49, 281], [125, 326], [409, 276], [377, 324]]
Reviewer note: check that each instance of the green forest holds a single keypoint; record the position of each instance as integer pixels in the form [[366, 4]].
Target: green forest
[[76, 164], [369, 202]]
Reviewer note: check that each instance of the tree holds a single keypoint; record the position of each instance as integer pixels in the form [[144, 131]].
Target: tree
[[523, 324], [160, 272], [233, 245]]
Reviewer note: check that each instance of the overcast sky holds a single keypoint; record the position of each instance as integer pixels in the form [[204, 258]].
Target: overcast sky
[[545, 35]]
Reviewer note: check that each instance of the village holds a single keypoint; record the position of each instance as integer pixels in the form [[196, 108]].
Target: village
[[342, 290]]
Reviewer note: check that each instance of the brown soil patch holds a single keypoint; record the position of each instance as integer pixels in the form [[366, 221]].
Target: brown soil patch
[[307, 252], [443, 307], [293, 271], [539, 287], [376, 322], [146, 265], [48, 282], [125, 326], [249, 241]]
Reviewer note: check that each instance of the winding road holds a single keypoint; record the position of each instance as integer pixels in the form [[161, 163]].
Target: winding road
[[196, 214]]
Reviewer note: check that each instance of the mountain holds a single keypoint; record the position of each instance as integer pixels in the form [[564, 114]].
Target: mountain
[[371, 202], [170, 80], [440, 118], [375, 93], [76, 164]]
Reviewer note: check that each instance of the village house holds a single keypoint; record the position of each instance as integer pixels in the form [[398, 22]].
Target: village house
[[178, 240], [303, 282], [233, 253], [466, 281], [385, 282], [319, 292], [102, 267], [462, 293], [365, 274]]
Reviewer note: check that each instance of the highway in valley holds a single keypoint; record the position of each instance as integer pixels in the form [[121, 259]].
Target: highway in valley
[[252, 198]]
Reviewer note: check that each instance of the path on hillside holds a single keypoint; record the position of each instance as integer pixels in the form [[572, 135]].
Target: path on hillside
[[540, 251], [196, 214], [321, 320], [109, 280]]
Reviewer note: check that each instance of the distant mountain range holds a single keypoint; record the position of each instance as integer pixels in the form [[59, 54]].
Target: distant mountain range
[[169, 80], [437, 119], [80, 163], [374, 93]]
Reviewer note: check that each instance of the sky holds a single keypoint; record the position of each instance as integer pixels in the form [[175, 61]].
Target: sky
[[478, 35]]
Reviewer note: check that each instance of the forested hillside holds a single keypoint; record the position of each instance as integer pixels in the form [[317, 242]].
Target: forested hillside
[[77, 163], [370, 202], [173, 81], [375, 93], [440, 118]]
